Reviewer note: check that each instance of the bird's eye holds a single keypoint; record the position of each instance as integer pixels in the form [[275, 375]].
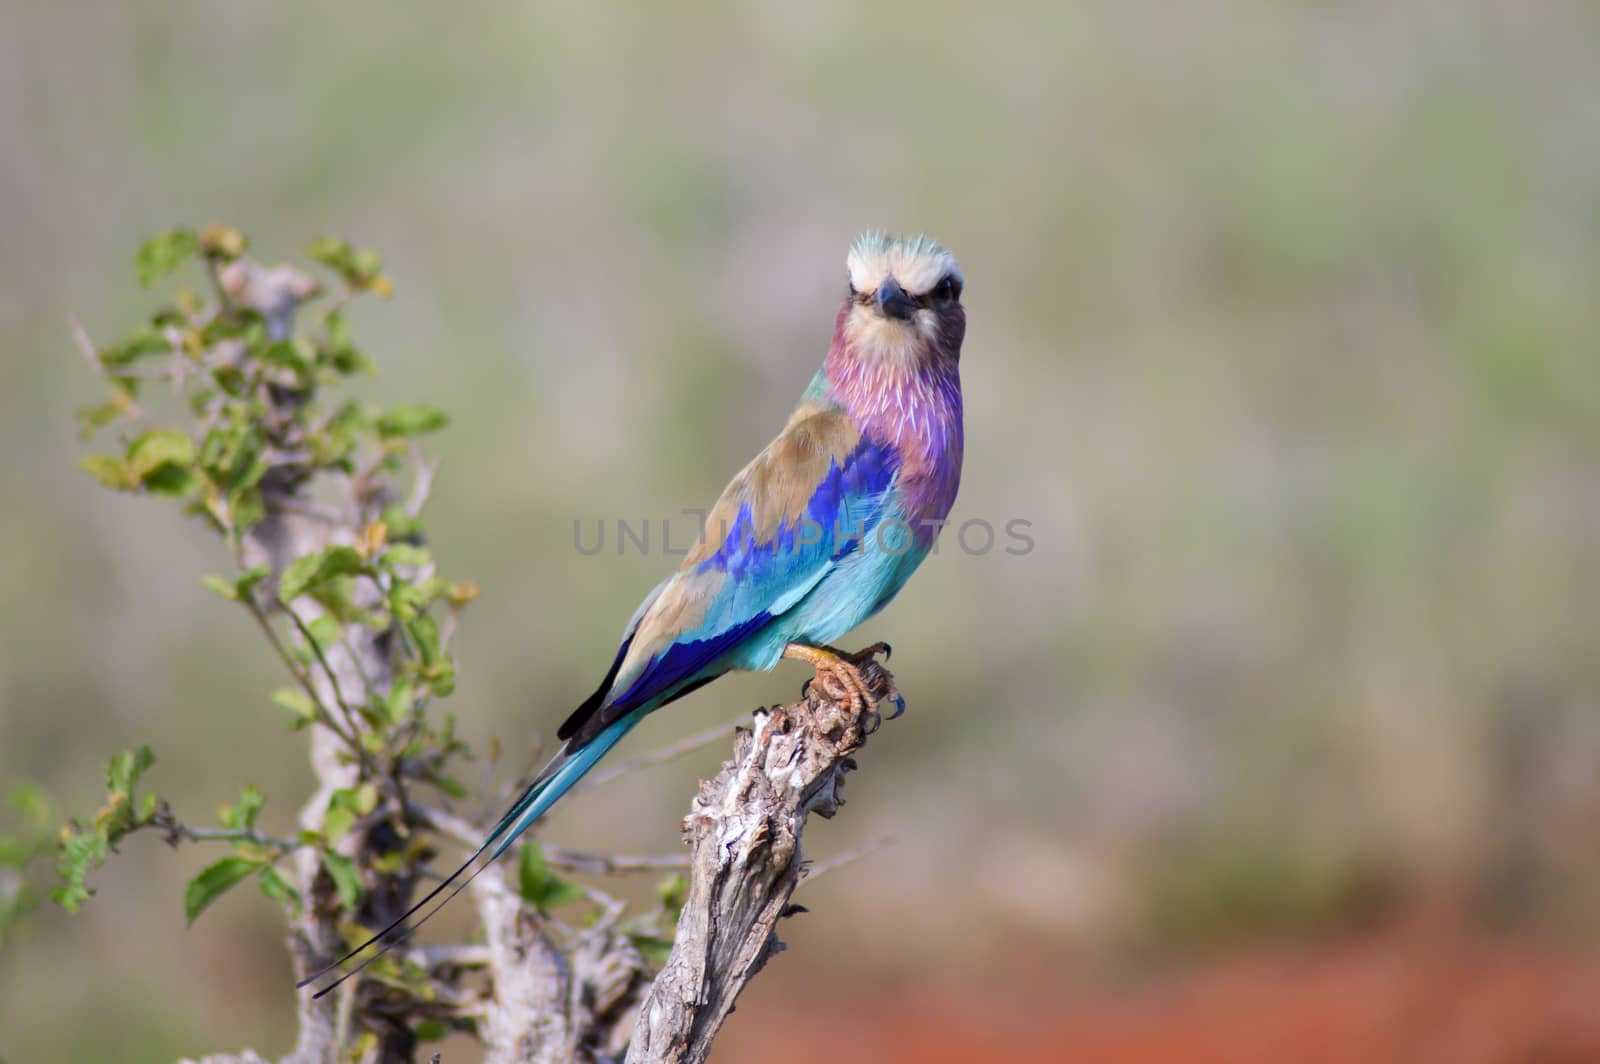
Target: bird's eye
[[948, 288]]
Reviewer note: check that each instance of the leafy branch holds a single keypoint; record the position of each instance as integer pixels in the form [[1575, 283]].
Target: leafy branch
[[318, 497]]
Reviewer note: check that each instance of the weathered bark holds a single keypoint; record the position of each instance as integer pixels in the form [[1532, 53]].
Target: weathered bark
[[745, 828]]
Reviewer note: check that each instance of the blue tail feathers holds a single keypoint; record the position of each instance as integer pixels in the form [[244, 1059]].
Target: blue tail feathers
[[553, 783]]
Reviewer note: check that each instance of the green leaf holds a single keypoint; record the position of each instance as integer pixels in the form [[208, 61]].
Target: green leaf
[[431, 1031], [338, 597], [310, 570], [93, 417], [295, 701], [333, 253], [161, 255], [233, 458], [358, 268], [80, 854], [278, 889], [170, 480], [405, 554], [340, 349], [425, 633], [411, 419], [221, 585], [213, 882], [406, 600], [325, 632], [124, 771], [336, 823], [359, 800], [401, 524], [346, 878], [344, 806], [236, 590], [140, 344], [241, 816], [160, 460], [539, 886], [109, 470], [248, 508], [397, 705], [440, 676], [296, 354]]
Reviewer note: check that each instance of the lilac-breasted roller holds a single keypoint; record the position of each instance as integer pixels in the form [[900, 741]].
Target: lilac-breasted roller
[[815, 535]]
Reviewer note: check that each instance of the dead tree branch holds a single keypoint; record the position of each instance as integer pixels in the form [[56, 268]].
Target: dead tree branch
[[744, 830]]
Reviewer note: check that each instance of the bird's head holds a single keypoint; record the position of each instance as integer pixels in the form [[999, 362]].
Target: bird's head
[[905, 301]]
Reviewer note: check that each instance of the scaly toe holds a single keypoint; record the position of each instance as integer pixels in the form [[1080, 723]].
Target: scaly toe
[[865, 699], [864, 657]]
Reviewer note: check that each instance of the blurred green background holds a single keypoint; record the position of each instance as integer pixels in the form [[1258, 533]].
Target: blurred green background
[[1283, 336]]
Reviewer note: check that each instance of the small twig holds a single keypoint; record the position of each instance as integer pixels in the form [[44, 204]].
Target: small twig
[[86, 346], [422, 483], [448, 631], [602, 864], [671, 752], [163, 820], [839, 860], [235, 835]]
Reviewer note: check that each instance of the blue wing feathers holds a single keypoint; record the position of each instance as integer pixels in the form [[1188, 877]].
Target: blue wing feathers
[[681, 663], [749, 580]]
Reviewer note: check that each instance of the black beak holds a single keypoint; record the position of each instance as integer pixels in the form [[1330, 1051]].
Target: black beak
[[893, 301]]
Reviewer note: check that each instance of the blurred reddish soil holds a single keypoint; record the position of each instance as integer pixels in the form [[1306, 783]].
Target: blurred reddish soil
[[1417, 991]]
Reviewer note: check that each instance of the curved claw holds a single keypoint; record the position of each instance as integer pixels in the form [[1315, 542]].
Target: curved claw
[[899, 701]]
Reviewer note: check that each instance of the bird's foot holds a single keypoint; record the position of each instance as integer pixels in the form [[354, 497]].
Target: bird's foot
[[877, 680], [856, 679]]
